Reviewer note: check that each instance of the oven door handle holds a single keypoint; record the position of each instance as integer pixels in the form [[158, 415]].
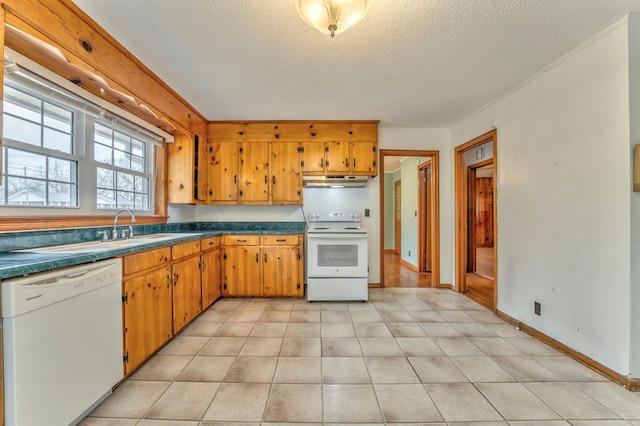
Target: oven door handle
[[337, 236]]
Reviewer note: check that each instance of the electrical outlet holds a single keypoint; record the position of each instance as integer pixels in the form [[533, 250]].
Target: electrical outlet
[[536, 308], [409, 252], [367, 212]]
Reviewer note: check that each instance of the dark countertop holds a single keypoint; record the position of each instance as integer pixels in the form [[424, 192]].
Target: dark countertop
[[20, 263]]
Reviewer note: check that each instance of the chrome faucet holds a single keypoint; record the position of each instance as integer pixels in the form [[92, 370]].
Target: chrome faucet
[[114, 233]]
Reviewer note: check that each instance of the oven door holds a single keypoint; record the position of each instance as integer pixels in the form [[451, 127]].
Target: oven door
[[337, 255]]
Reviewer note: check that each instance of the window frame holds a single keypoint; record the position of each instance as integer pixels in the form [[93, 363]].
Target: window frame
[[87, 213]]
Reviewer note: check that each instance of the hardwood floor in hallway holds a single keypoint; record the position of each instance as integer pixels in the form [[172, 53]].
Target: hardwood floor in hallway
[[480, 289], [398, 275]]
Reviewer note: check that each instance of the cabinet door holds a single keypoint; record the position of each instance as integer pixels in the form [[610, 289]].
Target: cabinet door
[[223, 171], [180, 170], [337, 157], [147, 315], [364, 158], [242, 269], [200, 178], [253, 166], [281, 271], [313, 157], [210, 266], [187, 295], [286, 182]]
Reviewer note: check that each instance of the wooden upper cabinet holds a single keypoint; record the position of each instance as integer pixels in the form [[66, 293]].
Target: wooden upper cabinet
[[337, 159], [313, 154], [223, 172], [286, 177], [364, 158], [254, 172], [186, 164]]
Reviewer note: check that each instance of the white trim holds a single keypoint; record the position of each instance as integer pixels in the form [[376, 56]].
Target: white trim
[[16, 57]]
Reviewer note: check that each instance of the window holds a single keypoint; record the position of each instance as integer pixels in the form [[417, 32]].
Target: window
[[62, 152]]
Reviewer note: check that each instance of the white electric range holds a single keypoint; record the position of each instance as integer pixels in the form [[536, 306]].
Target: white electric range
[[337, 265]]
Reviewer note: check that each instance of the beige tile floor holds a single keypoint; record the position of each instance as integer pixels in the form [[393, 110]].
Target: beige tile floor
[[409, 355]]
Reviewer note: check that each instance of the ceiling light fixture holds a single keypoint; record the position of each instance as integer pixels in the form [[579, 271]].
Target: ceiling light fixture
[[332, 16]]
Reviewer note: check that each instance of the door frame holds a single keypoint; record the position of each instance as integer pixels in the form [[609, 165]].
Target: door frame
[[424, 206], [397, 233], [461, 211], [434, 222]]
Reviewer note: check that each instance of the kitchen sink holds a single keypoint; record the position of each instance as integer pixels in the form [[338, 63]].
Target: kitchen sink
[[100, 246]]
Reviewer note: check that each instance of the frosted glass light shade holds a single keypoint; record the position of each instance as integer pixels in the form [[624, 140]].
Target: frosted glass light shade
[[332, 17]]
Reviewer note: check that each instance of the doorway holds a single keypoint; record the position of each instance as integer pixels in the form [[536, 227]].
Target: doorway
[[426, 241], [476, 219]]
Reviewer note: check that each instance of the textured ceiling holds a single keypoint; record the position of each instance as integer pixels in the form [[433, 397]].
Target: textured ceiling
[[408, 63]]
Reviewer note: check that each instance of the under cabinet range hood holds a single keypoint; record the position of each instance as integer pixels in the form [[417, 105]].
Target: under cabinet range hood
[[335, 181]]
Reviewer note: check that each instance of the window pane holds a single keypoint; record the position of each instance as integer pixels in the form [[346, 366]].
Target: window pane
[[26, 192], [54, 139], [58, 118], [22, 163], [122, 142], [141, 202], [125, 182], [105, 179], [3, 200], [121, 159], [106, 199], [102, 153], [137, 164], [22, 104], [20, 130], [61, 195], [125, 200], [142, 185], [103, 134], [137, 148], [61, 170]]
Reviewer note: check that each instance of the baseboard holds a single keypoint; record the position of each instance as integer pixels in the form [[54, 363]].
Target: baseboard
[[390, 251], [414, 268], [632, 384], [375, 285], [449, 286]]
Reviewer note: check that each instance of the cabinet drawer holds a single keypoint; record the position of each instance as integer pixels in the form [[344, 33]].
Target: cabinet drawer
[[185, 249], [209, 243], [147, 259], [279, 240], [241, 240]]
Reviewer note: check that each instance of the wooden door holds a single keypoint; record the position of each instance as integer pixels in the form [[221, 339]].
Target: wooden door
[[286, 179], [313, 157], [147, 315], [425, 233], [242, 271], [187, 296], [337, 160], [280, 271], [364, 158], [210, 266], [223, 171], [397, 215], [253, 169], [484, 212]]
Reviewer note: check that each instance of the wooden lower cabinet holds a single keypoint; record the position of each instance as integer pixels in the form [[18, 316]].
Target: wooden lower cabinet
[[242, 271], [269, 265], [280, 271], [187, 294], [147, 315], [210, 267]]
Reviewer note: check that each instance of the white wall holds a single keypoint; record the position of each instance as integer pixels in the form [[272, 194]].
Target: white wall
[[409, 209], [389, 226], [634, 92], [563, 230]]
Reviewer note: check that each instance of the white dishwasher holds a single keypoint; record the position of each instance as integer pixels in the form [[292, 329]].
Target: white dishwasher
[[62, 342]]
